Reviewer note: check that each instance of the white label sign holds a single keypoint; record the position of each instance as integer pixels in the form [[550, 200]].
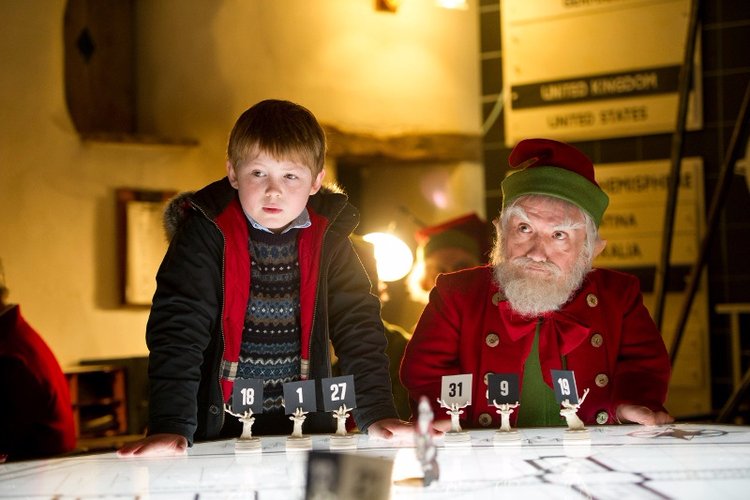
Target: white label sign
[[576, 69]]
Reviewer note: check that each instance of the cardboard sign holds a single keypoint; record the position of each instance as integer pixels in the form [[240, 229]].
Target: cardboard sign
[[299, 394], [247, 394], [338, 392], [564, 382], [456, 389], [503, 388]]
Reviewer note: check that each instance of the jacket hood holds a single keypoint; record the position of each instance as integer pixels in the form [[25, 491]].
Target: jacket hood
[[176, 212], [212, 199]]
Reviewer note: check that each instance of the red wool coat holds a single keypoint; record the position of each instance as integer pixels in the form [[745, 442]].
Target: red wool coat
[[605, 334]]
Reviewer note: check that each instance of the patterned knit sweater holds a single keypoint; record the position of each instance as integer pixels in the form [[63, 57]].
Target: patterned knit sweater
[[271, 338]]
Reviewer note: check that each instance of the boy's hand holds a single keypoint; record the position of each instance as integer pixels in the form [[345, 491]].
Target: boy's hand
[[642, 415], [155, 445], [389, 427]]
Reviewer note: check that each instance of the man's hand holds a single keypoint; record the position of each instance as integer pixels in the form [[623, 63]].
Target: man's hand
[[390, 427], [440, 427], [156, 445], [642, 415]]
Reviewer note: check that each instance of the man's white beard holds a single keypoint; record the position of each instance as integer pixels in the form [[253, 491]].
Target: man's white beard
[[532, 294]]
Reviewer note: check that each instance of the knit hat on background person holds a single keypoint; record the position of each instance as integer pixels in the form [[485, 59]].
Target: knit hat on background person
[[467, 232], [555, 169]]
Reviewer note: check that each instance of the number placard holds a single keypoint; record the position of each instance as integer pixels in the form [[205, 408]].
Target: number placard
[[247, 394], [564, 382], [456, 389], [503, 388], [300, 394], [337, 392]]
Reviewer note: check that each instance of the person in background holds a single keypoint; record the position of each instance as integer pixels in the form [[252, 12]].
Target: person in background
[[540, 305], [447, 247], [260, 275], [397, 337], [36, 419]]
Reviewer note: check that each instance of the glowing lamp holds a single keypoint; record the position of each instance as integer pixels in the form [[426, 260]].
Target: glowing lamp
[[393, 257]]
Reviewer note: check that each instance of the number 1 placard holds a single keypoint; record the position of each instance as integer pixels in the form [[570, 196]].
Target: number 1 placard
[[299, 394], [338, 392], [564, 382], [456, 389]]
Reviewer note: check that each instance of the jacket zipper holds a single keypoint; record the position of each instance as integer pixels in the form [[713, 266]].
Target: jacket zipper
[[221, 316], [315, 304]]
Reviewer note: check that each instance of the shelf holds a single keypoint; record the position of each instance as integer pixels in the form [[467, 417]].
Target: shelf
[[137, 139], [98, 398]]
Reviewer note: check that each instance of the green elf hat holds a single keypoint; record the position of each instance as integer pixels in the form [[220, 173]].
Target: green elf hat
[[467, 232], [555, 169]]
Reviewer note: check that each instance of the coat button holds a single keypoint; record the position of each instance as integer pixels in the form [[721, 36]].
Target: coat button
[[497, 297], [213, 409], [601, 380], [492, 339], [597, 340], [485, 420], [602, 417], [592, 300]]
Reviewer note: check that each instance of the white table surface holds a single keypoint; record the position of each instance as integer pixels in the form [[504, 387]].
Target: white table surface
[[619, 462]]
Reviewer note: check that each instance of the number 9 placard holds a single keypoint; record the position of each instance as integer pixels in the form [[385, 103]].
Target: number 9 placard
[[502, 388], [337, 392]]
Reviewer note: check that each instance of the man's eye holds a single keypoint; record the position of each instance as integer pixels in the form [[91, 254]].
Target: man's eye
[[559, 235], [291, 176], [524, 228]]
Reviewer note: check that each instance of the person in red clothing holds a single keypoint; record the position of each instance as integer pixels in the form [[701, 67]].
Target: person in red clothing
[[540, 305], [36, 420], [455, 244]]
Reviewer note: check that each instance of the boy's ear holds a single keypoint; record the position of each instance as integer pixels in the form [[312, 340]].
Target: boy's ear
[[232, 175], [317, 182]]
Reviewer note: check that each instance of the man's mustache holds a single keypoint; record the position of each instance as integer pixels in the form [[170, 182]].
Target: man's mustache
[[525, 263]]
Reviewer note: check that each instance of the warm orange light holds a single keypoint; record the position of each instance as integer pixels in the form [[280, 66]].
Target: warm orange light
[[454, 4], [387, 5], [393, 257]]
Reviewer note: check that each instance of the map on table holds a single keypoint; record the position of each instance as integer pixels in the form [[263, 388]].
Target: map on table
[[622, 461]]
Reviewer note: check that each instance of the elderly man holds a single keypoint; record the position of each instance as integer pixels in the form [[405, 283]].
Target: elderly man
[[540, 306]]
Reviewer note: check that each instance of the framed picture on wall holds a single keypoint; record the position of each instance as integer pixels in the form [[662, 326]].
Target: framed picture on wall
[[142, 242]]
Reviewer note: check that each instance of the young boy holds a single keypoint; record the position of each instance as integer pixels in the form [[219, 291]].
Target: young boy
[[260, 275]]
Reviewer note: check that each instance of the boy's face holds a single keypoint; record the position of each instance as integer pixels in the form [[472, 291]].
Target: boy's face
[[273, 192]]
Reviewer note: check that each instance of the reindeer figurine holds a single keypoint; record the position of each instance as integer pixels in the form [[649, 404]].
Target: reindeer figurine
[[505, 411], [454, 411], [570, 412], [247, 420]]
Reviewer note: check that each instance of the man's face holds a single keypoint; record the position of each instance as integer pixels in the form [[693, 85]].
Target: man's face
[[273, 192], [446, 260], [548, 240], [544, 255]]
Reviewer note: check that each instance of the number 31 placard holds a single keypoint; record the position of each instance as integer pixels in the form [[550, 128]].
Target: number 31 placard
[[456, 389]]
